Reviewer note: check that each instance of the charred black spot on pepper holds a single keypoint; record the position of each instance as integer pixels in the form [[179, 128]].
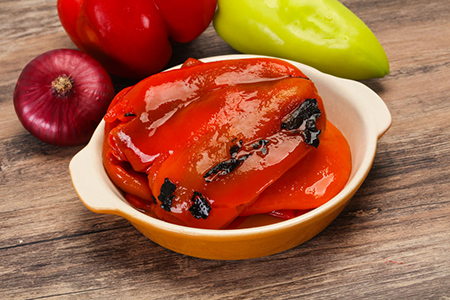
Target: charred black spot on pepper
[[300, 77], [308, 110], [311, 135], [304, 119], [165, 196], [263, 143], [263, 149], [154, 199], [168, 187], [224, 167], [201, 207], [234, 150], [236, 146], [130, 114], [167, 203], [261, 146], [227, 166]]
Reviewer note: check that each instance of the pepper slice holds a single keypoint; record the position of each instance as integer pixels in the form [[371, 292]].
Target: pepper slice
[[230, 177], [312, 182], [119, 171]]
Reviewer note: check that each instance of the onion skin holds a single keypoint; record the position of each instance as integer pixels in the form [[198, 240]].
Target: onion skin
[[62, 115]]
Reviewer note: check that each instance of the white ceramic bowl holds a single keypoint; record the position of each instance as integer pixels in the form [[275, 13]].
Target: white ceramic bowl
[[355, 109]]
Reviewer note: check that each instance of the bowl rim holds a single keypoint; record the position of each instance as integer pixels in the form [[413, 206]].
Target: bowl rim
[[122, 208]]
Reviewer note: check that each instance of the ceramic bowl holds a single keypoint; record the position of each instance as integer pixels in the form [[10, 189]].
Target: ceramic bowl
[[355, 109]]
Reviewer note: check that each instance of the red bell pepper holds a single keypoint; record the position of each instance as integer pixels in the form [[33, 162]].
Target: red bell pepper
[[133, 38], [211, 137]]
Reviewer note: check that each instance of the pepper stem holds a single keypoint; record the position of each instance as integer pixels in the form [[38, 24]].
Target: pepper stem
[[62, 85]]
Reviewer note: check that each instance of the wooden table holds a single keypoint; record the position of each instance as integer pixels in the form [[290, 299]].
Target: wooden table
[[391, 242]]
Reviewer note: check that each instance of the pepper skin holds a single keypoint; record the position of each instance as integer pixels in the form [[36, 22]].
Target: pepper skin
[[315, 180], [321, 33], [211, 136], [133, 38]]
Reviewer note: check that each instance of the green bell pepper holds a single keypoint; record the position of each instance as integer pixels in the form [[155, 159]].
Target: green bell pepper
[[321, 33]]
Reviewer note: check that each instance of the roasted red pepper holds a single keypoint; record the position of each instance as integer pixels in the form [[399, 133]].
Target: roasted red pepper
[[199, 144], [133, 38], [320, 176]]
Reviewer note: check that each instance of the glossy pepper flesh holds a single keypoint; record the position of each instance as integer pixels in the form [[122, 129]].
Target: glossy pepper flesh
[[322, 33], [210, 137], [320, 176], [133, 38]]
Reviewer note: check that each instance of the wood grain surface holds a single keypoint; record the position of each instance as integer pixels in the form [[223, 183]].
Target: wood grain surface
[[391, 242]]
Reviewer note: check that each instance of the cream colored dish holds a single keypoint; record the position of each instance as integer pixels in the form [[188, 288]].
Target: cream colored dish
[[356, 110]]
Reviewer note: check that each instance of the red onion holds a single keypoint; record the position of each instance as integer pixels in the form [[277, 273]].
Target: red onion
[[62, 95]]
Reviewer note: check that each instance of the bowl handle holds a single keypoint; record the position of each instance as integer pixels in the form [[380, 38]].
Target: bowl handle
[[378, 110], [90, 181], [84, 185]]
